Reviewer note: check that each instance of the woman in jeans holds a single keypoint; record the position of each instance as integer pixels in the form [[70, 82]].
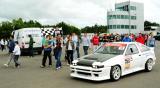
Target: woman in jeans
[[58, 51], [70, 46]]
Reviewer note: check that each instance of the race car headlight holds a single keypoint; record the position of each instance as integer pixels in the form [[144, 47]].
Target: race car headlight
[[74, 64], [98, 66]]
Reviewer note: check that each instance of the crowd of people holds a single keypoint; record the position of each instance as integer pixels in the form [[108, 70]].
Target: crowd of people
[[72, 43]]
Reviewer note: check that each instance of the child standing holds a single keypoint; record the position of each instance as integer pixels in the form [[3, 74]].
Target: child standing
[[16, 53]]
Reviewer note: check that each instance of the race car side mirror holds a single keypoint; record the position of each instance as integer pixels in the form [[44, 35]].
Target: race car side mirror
[[131, 50]]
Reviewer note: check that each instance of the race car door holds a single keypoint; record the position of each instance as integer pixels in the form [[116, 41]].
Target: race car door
[[132, 58]]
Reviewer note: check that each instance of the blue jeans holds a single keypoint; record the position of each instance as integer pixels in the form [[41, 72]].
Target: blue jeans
[[58, 58]]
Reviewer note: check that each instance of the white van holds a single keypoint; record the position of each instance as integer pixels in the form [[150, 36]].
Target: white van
[[22, 36]]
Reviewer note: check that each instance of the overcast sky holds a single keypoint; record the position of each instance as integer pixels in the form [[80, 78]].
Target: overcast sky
[[76, 12]]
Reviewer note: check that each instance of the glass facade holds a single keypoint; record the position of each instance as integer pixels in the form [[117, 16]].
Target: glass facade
[[125, 8], [122, 27], [121, 17]]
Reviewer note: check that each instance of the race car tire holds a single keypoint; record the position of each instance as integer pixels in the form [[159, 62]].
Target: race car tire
[[115, 73], [149, 65]]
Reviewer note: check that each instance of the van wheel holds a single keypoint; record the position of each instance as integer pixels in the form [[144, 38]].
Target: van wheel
[[115, 73], [39, 52]]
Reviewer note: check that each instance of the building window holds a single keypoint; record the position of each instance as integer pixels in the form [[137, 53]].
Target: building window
[[118, 16], [133, 27], [122, 16], [114, 26], [126, 26], [114, 16], [110, 26], [118, 26], [133, 8], [122, 26], [133, 17], [126, 17]]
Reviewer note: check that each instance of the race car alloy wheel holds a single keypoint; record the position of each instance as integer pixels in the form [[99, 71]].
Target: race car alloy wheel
[[149, 65], [115, 73]]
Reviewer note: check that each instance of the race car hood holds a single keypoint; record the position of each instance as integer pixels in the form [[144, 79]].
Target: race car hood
[[90, 59]]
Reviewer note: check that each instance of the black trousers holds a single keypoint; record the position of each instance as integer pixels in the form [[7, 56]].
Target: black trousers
[[78, 54], [2, 47], [31, 51], [85, 49], [16, 57], [47, 54], [69, 56]]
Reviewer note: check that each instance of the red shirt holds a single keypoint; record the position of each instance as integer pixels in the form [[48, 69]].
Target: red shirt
[[140, 39], [95, 40]]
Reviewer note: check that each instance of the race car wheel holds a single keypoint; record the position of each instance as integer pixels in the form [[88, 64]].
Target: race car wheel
[[115, 73], [149, 65]]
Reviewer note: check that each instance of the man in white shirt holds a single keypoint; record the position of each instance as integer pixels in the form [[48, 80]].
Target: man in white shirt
[[16, 53], [86, 43], [74, 40]]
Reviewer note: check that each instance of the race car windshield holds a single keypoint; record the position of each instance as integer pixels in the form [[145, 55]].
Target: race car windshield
[[111, 49]]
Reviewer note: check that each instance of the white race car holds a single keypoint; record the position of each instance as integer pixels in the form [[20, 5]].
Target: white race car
[[113, 60]]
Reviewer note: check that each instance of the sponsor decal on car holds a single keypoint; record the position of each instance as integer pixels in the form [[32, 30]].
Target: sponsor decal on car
[[128, 62]]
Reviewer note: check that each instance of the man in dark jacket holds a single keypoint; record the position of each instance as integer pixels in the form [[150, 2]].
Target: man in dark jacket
[[31, 42], [11, 45]]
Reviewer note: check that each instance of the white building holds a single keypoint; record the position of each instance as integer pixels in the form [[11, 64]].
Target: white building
[[128, 17]]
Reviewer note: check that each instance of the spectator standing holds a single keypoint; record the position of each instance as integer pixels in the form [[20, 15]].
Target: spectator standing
[[58, 51], [146, 39], [126, 38], [140, 39], [16, 53], [77, 47], [47, 52], [31, 42], [100, 39], [112, 38], [117, 38], [132, 37], [151, 41], [75, 40], [105, 38], [11, 46], [66, 39], [85, 43], [95, 42], [70, 46], [43, 41]]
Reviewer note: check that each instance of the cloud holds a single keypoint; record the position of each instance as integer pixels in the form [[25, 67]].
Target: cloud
[[77, 12]]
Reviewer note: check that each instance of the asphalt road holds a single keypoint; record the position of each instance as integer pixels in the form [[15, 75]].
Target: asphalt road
[[30, 75]]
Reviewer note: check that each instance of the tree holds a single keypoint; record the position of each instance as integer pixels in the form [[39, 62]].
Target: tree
[[94, 29], [148, 24], [68, 29], [6, 27]]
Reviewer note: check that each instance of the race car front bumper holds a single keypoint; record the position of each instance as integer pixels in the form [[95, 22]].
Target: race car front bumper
[[90, 73]]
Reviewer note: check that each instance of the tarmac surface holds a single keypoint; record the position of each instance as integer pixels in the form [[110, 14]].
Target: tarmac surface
[[30, 75]]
